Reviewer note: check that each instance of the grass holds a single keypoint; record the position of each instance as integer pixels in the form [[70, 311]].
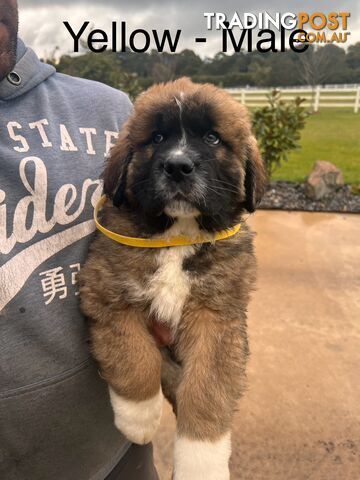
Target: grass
[[333, 134]]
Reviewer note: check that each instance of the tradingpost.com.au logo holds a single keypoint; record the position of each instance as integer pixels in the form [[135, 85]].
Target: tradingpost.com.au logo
[[244, 30]]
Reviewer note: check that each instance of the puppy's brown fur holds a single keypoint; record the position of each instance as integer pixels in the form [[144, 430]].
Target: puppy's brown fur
[[203, 371]]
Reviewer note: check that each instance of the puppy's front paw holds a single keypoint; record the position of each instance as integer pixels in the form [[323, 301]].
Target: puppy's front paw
[[138, 421], [202, 460]]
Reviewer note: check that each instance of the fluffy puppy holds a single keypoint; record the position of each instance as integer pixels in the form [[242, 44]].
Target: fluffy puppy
[[185, 163]]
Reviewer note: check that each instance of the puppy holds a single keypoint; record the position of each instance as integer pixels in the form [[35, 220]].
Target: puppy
[[185, 163]]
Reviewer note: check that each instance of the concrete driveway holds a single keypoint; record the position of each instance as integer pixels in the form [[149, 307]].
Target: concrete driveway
[[300, 418]]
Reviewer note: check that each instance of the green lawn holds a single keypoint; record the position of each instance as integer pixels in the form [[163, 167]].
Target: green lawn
[[333, 135]]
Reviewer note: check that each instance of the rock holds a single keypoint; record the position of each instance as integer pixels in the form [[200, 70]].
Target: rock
[[323, 178]]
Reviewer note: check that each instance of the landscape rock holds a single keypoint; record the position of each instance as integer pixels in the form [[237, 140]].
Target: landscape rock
[[323, 178]]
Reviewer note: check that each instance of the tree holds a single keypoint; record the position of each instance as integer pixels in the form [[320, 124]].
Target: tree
[[164, 67], [353, 56], [319, 65], [283, 68], [260, 73], [104, 67], [188, 63]]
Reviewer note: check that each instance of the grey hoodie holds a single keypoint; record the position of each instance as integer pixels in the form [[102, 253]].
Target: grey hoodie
[[55, 417]]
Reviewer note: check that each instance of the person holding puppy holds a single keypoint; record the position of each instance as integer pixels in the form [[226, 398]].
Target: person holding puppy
[[55, 416]]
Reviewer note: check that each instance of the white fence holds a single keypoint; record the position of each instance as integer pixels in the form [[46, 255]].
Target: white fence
[[345, 96]]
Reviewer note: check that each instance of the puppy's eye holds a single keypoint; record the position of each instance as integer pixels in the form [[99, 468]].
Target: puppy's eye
[[158, 137], [212, 138]]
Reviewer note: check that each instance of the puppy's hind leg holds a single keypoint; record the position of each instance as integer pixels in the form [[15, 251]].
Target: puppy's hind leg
[[213, 351]]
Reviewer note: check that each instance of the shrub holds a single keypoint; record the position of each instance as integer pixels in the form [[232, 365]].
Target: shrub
[[277, 128]]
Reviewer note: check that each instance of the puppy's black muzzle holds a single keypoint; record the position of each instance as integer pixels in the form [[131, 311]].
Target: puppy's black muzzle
[[178, 167]]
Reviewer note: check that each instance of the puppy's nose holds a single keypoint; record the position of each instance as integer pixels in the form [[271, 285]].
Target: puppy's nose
[[178, 167]]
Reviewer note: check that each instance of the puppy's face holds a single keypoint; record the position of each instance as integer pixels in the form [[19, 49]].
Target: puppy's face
[[187, 150]]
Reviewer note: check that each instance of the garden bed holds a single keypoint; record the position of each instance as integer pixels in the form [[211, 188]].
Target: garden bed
[[291, 196]]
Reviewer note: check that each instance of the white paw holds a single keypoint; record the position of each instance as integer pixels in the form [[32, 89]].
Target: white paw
[[202, 460], [138, 421]]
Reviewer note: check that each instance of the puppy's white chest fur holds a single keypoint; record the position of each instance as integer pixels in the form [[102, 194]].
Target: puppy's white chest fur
[[170, 285]]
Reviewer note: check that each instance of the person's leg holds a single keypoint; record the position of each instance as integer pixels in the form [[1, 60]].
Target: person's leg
[[137, 464]]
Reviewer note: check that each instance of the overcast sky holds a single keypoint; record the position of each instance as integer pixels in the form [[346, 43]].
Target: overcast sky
[[41, 21]]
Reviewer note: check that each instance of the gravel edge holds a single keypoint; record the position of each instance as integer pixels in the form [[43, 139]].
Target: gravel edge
[[291, 196]]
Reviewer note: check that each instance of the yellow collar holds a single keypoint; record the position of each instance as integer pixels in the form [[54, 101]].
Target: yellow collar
[[158, 242]]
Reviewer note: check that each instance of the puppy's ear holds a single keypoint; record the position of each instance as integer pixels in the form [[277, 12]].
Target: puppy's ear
[[255, 176], [115, 172]]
